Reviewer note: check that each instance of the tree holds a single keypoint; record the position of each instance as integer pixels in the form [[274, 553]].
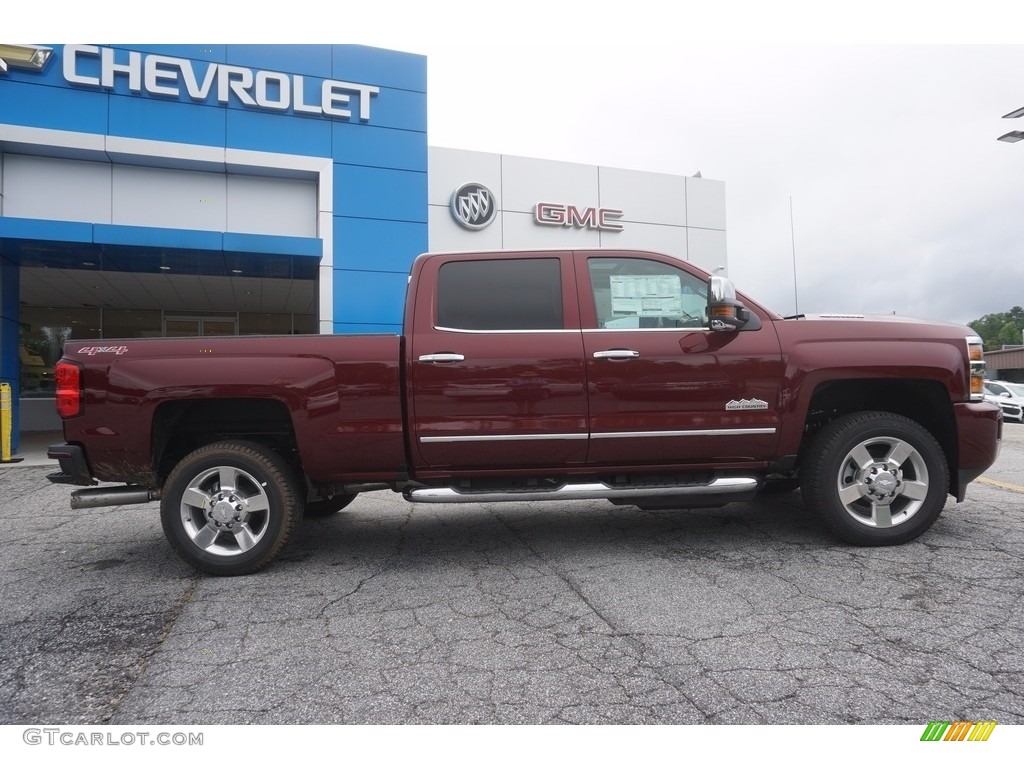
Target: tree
[[1000, 328], [1009, 334]]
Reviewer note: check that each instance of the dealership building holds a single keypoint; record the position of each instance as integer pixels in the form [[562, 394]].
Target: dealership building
[[150, 191]]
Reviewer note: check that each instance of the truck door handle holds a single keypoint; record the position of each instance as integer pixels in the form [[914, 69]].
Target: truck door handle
[[442, 357], [616, 354]]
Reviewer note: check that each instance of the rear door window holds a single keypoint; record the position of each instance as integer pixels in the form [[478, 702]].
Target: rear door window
[[500, 295]]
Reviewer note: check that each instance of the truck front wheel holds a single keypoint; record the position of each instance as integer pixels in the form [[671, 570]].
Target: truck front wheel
[[875, 478], [228, 508]]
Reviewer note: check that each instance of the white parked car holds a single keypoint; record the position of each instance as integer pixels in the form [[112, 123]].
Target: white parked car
[[1009, 396]]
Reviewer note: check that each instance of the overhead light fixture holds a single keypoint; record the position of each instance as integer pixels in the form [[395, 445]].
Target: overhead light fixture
[[1016, 113], [1012, 136], [31, 57]]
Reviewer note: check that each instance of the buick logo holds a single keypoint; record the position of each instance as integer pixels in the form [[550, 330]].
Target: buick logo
[[473, 206]]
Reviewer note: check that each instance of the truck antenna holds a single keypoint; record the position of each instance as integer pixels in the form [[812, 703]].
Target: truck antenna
[[792, 240]]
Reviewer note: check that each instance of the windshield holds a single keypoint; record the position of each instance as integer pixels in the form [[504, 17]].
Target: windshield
[[1017, 389]]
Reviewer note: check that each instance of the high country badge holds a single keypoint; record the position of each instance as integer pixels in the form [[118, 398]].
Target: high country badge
[[754, 404]]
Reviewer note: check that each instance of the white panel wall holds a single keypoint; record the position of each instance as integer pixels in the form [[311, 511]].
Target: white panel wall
[[705, 203], [526, 182], [521, 231], [102, 193], [649, 237], [448, 169], [677, 215], [163, 197], [56, 189], [445, 235], [269, 206], [652, 198], [706, 248]]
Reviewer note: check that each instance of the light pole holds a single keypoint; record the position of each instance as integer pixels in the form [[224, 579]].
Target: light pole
[[1013, 136]]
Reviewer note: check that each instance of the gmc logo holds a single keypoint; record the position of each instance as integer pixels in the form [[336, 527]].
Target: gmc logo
[[557, 215]]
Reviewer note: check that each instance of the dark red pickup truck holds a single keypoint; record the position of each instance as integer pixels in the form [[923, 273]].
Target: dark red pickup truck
[[531, 375]]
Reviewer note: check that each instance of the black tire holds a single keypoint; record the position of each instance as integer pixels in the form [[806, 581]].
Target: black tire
[[228, 508], [875, 478], [776, 486], [327, 507]]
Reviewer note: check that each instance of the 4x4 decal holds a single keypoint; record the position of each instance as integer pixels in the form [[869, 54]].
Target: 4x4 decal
[[102, 350]]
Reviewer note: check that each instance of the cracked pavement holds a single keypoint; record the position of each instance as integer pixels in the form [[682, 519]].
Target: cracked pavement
[[576, 612]]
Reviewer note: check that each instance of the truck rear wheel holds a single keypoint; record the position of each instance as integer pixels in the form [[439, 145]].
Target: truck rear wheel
[[228, 508], [875, 478]]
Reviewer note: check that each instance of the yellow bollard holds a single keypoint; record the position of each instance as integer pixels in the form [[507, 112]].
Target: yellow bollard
[[6, 423]]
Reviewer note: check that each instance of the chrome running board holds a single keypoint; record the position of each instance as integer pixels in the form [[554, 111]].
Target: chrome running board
[[723, 486]]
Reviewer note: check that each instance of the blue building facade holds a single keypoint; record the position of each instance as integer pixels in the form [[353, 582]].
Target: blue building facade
[[266, 162]]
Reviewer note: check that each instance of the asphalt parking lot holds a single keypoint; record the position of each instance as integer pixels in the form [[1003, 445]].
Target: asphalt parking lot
[[516, 613]]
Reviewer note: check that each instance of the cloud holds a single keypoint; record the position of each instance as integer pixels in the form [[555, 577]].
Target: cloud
[[902, 198]]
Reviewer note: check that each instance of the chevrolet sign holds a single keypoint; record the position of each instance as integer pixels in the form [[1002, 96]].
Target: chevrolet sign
[[158, 75]]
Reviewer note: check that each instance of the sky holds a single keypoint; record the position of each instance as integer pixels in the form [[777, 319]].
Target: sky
[[859, 177], [857, 144]]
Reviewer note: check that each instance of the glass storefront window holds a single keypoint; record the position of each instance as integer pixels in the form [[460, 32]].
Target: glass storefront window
[[44, 330], [266, 324], [263, 324], [201, 325], [131, 323]]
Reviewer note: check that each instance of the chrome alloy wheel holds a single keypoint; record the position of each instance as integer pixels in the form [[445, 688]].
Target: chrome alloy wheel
[[882, 482], [225, 511]]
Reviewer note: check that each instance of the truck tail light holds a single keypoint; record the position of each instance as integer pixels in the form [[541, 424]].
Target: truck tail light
[[976, 357], [68, 378]]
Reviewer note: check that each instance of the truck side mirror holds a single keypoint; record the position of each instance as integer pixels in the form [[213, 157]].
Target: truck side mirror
[[725, 313]]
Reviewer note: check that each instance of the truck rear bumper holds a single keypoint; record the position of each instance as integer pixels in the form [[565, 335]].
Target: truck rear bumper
[[74, 469], [979, 428]]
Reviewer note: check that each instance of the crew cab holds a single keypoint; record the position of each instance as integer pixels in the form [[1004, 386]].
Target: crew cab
[[528, 375]]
